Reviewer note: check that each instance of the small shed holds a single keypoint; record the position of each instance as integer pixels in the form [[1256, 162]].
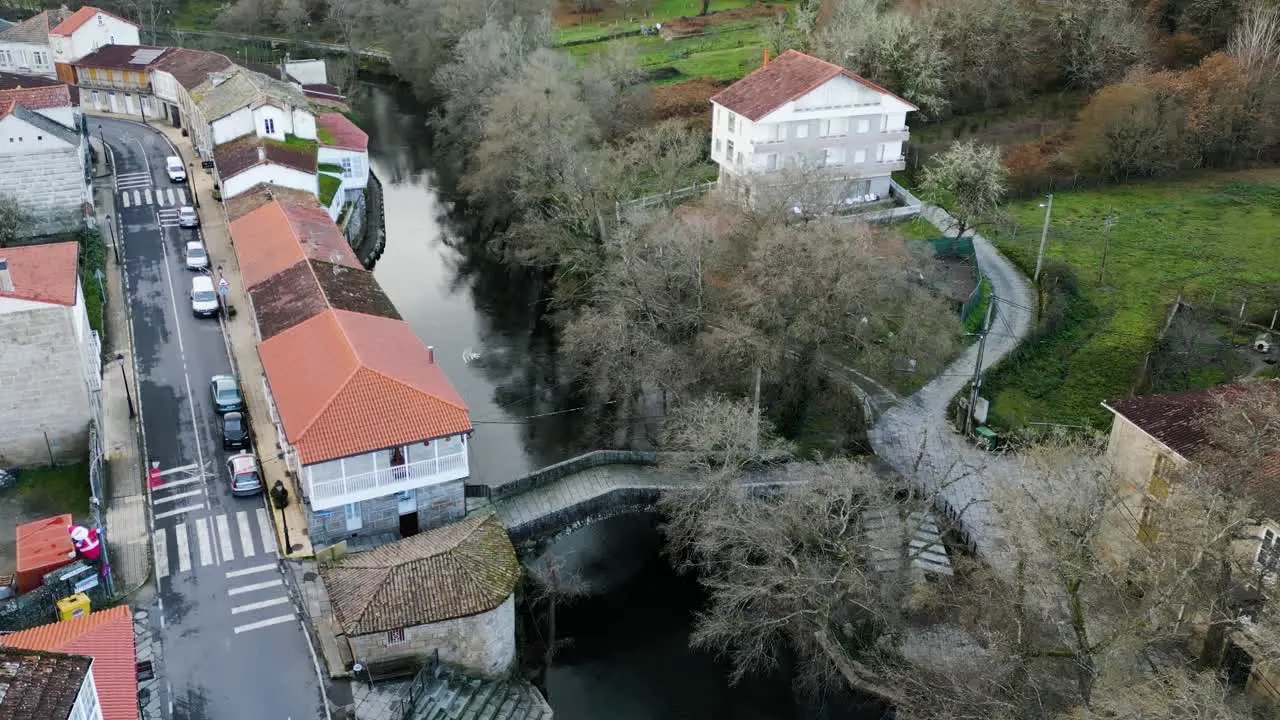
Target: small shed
[[42, 547]]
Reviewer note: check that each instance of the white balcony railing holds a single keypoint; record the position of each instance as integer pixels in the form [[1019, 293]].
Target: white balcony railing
[[325, 494]]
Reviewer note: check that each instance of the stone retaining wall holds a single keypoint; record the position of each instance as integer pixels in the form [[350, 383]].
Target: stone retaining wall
[[552, 473]]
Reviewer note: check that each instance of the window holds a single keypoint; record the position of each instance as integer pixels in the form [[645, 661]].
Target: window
[[38, 58], [348, 168], [731, 123], [729, 147], [395, 637], [833, 127], [738, 159], [717, 151], [96, 99], [4, 57], [269, 126], [864, 125], [775, 132], [352, 515], [835, 156], [101, 20], [802, 131], [771, 161], [859, 156]]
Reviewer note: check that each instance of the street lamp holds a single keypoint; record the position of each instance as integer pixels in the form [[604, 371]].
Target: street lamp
[[112, 231], [125, 376], [106, 156]]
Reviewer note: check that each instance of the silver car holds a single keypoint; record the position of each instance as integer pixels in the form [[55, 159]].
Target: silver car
[[187, 217], [197, 256]]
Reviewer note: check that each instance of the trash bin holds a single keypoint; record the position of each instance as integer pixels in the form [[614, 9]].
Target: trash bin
[[73, 606], [986, 437]]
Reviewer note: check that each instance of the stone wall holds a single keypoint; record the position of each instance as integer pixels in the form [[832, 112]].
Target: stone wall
[[51, 185], [484, 644], [380, 517], [577, 464], [42, 388]]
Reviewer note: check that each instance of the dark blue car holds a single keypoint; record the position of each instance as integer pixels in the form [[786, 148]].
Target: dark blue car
[[226, 394]]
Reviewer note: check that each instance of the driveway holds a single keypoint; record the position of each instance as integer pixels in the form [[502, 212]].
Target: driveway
[[234, 647]]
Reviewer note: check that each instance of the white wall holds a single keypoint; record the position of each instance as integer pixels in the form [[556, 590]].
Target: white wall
[[272, 122], [358, 161], [45, 174], [269, 173], [307, 72], [27, 59], [304, 124], [87, 705], [102, 29], [42, 387], [164, 85], [229, 127]]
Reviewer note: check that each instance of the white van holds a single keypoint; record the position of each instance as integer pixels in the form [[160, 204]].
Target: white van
[[177, 171], [204, 299]]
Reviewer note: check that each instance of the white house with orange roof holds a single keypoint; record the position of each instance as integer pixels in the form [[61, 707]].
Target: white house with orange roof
[[50, 358], [46, 43], [799, 118]]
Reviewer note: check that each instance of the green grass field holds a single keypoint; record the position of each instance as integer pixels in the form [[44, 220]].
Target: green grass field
[[53, 490], [1212, 237]]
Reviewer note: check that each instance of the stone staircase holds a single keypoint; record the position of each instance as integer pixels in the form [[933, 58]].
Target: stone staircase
[[447, 694]]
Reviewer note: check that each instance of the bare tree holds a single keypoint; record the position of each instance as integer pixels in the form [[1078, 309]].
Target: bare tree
[[1256, 41], [1097, 40], [969, 180], [15, 220], [990, 48], [613, 92], [660, 158], [292, 16]]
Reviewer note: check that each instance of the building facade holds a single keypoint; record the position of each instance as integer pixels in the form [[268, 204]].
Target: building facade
[[50, 358], [117, 79], [45, 167], [46, 96], [49, 42], [807, 131], [24, 47]]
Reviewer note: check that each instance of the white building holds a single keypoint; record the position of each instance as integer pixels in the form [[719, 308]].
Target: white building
[[44, 166], [249, 161], [237, 102], [799, 119], [50, 358], [46, 96], [42, 44]]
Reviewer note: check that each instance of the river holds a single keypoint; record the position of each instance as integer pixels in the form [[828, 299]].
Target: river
[[628, 658]]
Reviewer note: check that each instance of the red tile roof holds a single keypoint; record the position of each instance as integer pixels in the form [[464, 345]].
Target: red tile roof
[[192, 67], [347, 384], [1174, 418], [80, 17], [34, 98], [280, 234], [107, 637], [336, 131], [42, 273], [792, 75]]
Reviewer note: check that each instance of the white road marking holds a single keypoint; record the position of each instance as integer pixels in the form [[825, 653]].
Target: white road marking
[[206, 547], [161, 552], [256, 586], [268, 531], [178, 483], [251, 570], [176, 496], [147, 194], [263, 623], [124, 199], [184, 549], [186, 376], [224, 539], [184, 468], [182, 196], [258, 605], [137, 197], [169, 192], [178, 511], [246, 537]]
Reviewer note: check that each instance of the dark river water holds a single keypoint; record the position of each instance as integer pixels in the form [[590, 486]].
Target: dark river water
[[627, 654]]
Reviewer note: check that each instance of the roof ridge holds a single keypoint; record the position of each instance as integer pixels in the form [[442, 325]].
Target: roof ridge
[[398, 381], [346, 381]]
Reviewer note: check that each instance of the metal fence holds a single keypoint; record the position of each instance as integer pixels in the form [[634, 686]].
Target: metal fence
[[97, 503], [668, 198]]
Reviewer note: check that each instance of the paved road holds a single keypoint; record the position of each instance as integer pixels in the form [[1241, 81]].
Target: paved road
[[233, 645], [917, 439]]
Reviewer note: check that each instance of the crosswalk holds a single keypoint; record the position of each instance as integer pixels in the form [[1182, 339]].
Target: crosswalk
[[210, 540], [129, 181], [168, 217], [261, 598], [162, 197]]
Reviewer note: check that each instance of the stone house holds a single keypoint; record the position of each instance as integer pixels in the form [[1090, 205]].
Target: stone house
[[50, 359], [450, 590], [375, 434], [117, 79], [799, 121], [45, 167], [236, 102], [175, 75]]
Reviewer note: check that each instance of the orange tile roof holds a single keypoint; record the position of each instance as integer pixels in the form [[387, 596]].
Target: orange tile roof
[[107, 637], [792, 75], [335, 130], [346, 384], [281, 234], [43, 273], [80, 17], [33, 95]]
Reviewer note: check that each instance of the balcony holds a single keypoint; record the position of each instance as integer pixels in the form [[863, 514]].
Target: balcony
[[325, 494], [121, 85]]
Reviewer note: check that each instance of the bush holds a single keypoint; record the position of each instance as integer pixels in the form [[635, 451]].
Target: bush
[[92, 262]]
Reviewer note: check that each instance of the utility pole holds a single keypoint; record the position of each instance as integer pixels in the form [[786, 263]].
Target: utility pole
[[1106, 246], [1044, 236], [976, 383], [755, 435]]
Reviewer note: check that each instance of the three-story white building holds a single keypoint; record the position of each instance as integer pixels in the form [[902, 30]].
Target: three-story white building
[[802, 120]]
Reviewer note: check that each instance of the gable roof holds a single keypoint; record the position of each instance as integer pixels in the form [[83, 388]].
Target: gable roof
[[32, 92], [107, 637], [124, 57], [346, 384], [239, 155], [790, 76], [40, 122], [263, 193], [280, 234], [36, 28], [336, 131], [43, 273], [222, 93], [39, 685], [190, 67], [78, 18], [461, 569], [1174, 419], [311, 287]]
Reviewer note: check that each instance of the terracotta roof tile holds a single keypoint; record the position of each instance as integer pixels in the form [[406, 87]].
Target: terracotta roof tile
[[43, 273], [107, 637], [80, 17], [36, 93], [311, 287], [263, 193], [237, 156], [192, 67], [280, 234], [461, 569], [124, 57], [346, 384], [336, 131], [1174, 419], [786, 78], [39, 685]]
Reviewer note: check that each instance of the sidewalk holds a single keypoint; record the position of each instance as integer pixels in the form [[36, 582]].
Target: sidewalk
[[242, 341], [128, 536]]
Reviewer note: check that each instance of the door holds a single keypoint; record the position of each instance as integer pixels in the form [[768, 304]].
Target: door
[[352, 514], [408, 507]]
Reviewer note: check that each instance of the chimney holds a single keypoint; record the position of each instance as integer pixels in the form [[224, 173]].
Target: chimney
[[262, 154], [766, 57], [431, 351], [6, 280]]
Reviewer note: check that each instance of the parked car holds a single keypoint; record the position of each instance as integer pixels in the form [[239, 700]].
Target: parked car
[[177, 171], [204, 299], [226, 394], [197, 256], [246, 479], [235, 431], [187, 217]]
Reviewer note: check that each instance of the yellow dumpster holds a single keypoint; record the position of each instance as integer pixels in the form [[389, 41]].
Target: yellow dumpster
[[73, 606]]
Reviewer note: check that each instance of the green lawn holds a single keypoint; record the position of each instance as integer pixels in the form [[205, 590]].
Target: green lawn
[[328, 188], [54, 490], [615, 19], [724, 52], [1212, 237]]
